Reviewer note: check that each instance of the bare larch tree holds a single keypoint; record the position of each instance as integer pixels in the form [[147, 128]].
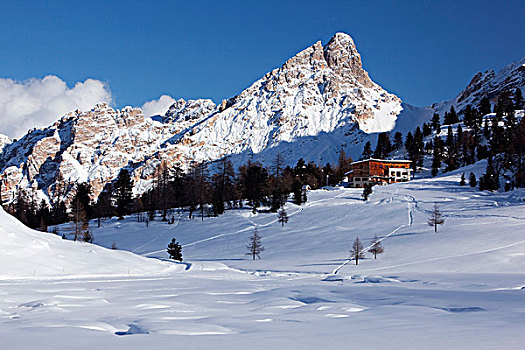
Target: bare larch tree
[[283, 216], [435, 218], [357, 251], [376, 247], [254, 246]]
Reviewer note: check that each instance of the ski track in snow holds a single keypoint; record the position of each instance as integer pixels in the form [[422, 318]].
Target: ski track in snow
[[169, 229], [410, 208]]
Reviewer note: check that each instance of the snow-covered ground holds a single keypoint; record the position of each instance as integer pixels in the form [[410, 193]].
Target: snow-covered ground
[[458, 289]]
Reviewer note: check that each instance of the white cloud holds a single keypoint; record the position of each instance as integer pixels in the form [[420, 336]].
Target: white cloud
[[40, 102], [157, 107]]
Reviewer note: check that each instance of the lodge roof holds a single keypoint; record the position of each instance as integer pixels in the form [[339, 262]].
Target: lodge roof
[[382, 160]]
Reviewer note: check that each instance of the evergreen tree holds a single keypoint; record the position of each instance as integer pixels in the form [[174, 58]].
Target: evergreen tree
[[80, 209], [255, 248], [87, 237], [437, 155], [398, 141], [174, 250], [470, 117], [427, 130], [356, 252], [451, 151], [417, 149], [328, 176], [450, 117], [518, 99], [367, 151], [383, 147], [459, 146], [472, 180], [43, 216], [435, 218], [283, 216], [490, 180], [409, 143], [367, 191], [376, 247], [462, 181], [297, 191], [484, 106], [435, 122], [123, 193], [254, 182]]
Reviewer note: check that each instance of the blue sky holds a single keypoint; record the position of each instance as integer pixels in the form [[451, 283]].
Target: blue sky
[[424, 51]]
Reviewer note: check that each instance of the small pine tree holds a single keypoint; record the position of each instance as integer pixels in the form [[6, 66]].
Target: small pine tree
[[462, 181], [356, 252], [398, 140], [283, 217], [484, 106], [175, 250], [88, 237], [436, 124], [123, 193], [518, 99], [490, 180], [367, 191], [376, 247], [437, 156], [367, 151], [254, 245], [472, 180], [435, 218], [297, 190]]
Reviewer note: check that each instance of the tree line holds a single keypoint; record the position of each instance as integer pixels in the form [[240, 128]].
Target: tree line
[[482, 132], [206, 189]]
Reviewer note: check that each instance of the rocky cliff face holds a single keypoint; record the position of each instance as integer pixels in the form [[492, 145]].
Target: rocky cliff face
[[317, 103], [492, 84], [487, 84]]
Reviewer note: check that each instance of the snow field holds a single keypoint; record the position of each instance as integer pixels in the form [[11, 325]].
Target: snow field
[[460, 288]]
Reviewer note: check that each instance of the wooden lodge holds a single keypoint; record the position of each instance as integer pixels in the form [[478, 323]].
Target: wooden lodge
[[379, 172]]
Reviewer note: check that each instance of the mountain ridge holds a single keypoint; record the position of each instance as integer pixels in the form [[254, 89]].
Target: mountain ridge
[[319, 102]]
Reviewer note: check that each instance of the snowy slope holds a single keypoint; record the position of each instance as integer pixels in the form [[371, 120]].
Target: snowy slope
[[27, 253], [458, 289], [319, 234]]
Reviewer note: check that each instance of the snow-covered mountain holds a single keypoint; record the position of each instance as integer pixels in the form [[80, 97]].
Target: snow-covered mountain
[[487, 84], [484, 84], [319, 102]]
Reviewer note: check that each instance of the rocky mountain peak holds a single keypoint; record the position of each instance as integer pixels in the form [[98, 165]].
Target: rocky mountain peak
[[342, 57], [191, 110], [491, 84]]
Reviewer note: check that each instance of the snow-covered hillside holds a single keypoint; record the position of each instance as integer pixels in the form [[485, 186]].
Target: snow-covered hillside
[[459, 288], [319, 233], [26, 253]]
